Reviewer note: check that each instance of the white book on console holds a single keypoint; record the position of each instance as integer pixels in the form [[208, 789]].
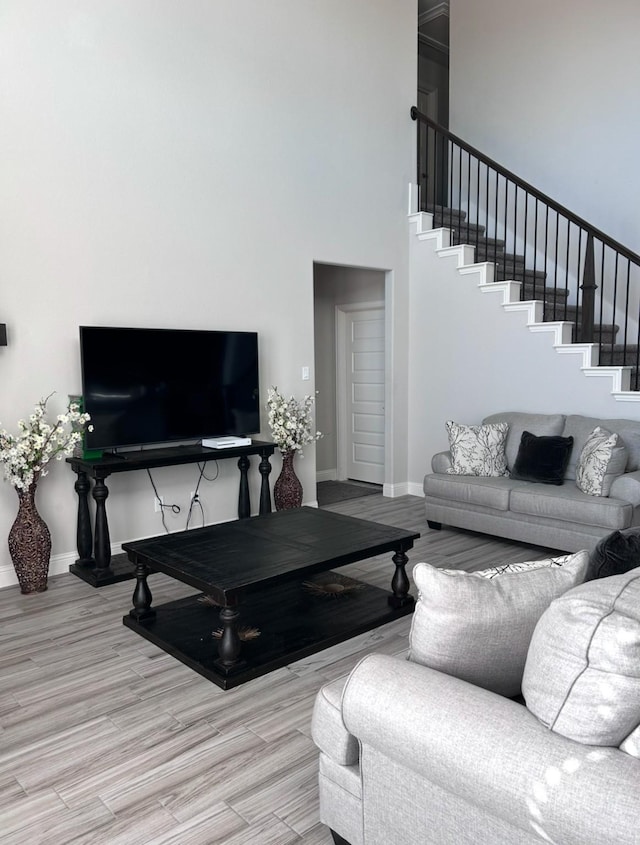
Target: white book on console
[[225, 442]]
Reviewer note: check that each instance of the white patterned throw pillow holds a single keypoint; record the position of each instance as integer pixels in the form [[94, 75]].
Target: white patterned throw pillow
[[602, 460], [477, 449]]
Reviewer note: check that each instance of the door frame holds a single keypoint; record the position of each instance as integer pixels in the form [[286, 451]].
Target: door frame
[[342, 423]]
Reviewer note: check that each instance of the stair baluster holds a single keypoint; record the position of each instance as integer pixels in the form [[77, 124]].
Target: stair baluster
[[589, 288]]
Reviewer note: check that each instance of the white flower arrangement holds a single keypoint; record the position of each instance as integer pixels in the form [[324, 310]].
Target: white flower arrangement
[[25, 456], [290, 421]]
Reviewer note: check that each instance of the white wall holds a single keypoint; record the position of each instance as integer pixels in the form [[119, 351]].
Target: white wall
[[183, 164], [549, 90], [470, 358]]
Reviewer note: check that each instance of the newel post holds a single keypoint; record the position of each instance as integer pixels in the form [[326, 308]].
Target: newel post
[[589, 288]]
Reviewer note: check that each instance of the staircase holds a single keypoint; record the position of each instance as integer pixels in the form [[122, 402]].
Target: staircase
[[570, 276], [533, 285], [537, 301]]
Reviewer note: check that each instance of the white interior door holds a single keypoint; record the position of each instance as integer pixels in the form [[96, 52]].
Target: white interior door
[[362, 361]]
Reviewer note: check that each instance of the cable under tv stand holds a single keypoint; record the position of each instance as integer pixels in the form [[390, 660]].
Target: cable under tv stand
[[95, 564]]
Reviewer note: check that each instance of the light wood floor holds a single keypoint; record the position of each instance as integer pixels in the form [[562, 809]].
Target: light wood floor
[[106, 739]]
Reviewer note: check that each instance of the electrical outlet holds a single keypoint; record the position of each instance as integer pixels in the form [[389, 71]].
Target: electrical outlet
[[157, 505]]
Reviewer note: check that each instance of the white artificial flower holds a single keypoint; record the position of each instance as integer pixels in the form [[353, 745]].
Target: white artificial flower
[[290, 421], [25, 456]]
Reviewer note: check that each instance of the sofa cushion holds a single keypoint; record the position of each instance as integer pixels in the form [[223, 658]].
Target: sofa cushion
[[602, 459], [490, 492], [547, 424], [478, 628], [477, 449], [542, 459], [582, 674], [569, 504]]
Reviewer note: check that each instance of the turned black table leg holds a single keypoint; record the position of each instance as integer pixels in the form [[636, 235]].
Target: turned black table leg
[[244, 505], [229, 645], [84, 536], [142, 595], [400, 581], [102, 550], [265, 492]]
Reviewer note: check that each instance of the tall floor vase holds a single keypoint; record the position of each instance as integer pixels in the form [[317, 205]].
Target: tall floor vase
[[30, 544], [287, 491]]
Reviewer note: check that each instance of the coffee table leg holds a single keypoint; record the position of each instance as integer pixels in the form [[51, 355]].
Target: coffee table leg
[[400, 582], [142, 595], [229, 645]]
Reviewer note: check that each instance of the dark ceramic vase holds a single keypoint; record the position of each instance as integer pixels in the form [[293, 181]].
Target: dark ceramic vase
[[30, 544], [287, 491]]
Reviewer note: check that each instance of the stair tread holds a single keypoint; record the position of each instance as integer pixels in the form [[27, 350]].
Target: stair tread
[[516, 274], [620, 357], [529, 292], [481, 240], [621, 347], [446, 210], [558, 291]]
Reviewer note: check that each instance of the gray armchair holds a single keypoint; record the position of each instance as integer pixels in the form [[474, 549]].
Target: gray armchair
[[409, 754]]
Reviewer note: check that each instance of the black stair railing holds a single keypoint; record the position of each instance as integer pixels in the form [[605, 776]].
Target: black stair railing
[[579, 273]]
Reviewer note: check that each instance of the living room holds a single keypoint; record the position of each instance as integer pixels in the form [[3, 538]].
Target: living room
[[186, 166]]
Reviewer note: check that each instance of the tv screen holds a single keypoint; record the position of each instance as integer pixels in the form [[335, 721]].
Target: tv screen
[[146, 386]]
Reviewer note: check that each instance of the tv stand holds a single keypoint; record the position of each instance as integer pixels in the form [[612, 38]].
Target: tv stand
[[99, 568]]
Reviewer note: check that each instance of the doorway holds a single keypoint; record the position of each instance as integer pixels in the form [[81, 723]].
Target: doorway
[[360, 385], [350, 372]]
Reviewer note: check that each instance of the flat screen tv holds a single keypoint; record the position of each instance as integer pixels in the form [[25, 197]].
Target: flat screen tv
[[144, 386]]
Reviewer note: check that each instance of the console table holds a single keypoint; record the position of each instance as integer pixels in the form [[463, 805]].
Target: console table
[[100, 568]]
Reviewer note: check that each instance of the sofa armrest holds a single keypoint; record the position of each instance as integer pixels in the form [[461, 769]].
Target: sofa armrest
[[492, 753], [627, 488], [441, 462], [327, 728]]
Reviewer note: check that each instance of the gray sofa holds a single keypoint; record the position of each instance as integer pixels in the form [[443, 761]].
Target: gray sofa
[[558, 517], [412, 756]]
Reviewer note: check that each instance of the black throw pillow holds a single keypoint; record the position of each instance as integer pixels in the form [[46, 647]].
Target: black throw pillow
[[543, 458], [616, 553]]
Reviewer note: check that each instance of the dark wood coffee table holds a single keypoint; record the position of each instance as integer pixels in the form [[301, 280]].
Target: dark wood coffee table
[[267, 596]]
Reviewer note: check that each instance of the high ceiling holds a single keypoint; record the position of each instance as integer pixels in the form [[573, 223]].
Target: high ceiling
[[433, 23]]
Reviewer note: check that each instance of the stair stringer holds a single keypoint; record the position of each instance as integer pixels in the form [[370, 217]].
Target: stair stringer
[[560, 329]]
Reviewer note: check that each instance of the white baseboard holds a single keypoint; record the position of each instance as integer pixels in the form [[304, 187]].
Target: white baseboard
[[405, 488], [415, 488], [393, 491], [326, 475]]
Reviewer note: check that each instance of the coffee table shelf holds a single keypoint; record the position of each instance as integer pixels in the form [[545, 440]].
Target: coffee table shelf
[[292, 622]]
